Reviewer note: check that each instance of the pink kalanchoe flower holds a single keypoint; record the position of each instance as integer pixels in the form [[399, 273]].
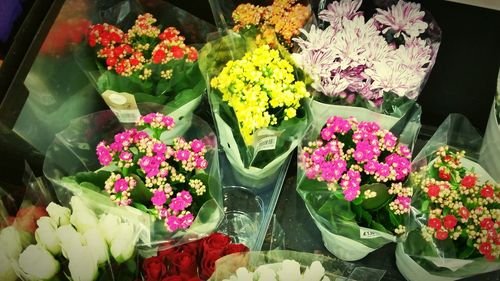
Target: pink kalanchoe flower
[[351, 193], [390, 140], [178, 204], [159, 148], [197, 146], [186, 196], [182, 155], [173, 223], [404, 201], [159, 198], [167, 121], [404, 18], [186, 220], [126, 156], [103, 154], [201, 163], [121, 185]]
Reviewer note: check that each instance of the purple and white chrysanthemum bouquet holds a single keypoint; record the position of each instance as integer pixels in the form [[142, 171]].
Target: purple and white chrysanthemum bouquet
[[352, 179], [379, 63]]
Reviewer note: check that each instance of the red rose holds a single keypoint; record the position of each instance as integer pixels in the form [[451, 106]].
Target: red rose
[[196, 278], [487, 191], [216, 241], [434, 223], [172, 278], [235, 248], [441, 234], [26, 218], [468, 181], [186, 265], [154, 268], [449, 221], [192, 248], [207, 266]]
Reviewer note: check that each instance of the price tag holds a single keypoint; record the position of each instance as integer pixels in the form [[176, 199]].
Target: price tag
[[123, 106], [265, 139], [366, 233]]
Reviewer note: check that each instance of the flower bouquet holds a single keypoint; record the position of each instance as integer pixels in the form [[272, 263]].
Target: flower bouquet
[[491, 142], [281, 19], [378, 64], [77, 245], [352, 179], [259, 102], [151, 63], [283, 265], [452, 229], [191, 261], [164, 183]]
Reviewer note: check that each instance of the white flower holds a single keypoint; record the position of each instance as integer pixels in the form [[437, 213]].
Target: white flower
[[290, 271], [244, 275], [315, 272], [58, 213], [403, 18], [46, 235], [264, 273], [333, 86], [388, 77], [108, 225], [414, 54], [83, 267], [10, 240], [123, 244], [315, 38], [337, 10], [97, 244], [71, 240], [82, 217], [38, 263], [6, 270]]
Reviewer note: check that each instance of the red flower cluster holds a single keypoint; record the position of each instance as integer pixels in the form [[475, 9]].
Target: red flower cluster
[[461, 206], [192, 261], [142, 45]]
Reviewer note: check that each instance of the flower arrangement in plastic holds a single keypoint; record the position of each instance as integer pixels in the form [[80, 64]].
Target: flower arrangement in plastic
[[78, 245], [165, 181], [364, 165], [460, 208], [282, 18], [153, 64], [191, 261], [379, 63]]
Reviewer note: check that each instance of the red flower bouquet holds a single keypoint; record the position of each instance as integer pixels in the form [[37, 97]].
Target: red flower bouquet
[[191, 261]]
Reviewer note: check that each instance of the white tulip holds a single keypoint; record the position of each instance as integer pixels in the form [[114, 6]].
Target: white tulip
[[58, 213], [108, 224], [82, 217], [315, 272], [123, 245], [38, 263], [97, 245], [10, 240], [71, 240], [46, 235], [6, 270], [83, 267], [264, 273], [244, 275], [290, 271]]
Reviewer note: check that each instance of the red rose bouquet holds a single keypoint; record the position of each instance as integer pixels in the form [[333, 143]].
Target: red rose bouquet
[[153, 64], [191, 261], [453, 228]]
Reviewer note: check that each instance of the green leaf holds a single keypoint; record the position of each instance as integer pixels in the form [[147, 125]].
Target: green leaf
[[393, 218], [378, 201], [96, 178], [308, 185], [467, 252], [358, 200], [141, 207], [425, 206], [140, 193], [90, 186]]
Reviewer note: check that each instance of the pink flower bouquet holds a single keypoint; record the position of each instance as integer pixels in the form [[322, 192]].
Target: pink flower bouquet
[[352, 180], [165, 182]]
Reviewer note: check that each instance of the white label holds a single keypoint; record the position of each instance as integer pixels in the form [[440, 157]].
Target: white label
[[123, 106], [366, 233], [266, 143]]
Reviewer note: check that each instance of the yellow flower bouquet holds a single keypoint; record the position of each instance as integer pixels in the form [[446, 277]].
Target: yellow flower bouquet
[[260, 104]]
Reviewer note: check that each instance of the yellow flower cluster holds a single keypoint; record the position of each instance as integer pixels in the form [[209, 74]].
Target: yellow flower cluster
[[258, 84], [284, 17]]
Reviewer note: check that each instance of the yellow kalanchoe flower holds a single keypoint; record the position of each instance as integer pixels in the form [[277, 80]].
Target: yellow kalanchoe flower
[[259, 82]]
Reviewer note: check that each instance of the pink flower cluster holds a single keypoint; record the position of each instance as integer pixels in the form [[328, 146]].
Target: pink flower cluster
[[167, 171], [349, 154]]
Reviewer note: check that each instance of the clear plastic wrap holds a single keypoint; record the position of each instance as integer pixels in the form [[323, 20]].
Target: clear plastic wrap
[[357, 57], [71, 164], [256, 151], [442, 241], [344, 224], [333, 268]]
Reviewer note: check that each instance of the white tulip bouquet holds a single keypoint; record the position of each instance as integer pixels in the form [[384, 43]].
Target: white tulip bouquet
[[79, 245]]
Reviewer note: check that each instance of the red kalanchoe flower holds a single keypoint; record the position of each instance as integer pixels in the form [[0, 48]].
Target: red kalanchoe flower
[[443, 174], [193, 54], [433, 190], [158, 56], [177, 52], [487, 191], [435, 223], [449, 221], [468, 181], [464, 212], [111, 61], [487, 223], [485, 248], [441, 234]]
